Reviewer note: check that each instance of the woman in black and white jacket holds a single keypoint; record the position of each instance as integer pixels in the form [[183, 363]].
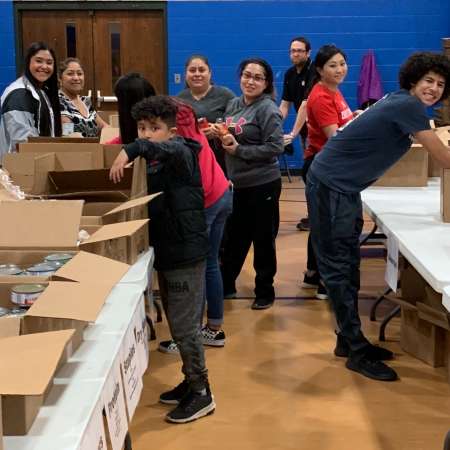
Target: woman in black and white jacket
[[30, 105]]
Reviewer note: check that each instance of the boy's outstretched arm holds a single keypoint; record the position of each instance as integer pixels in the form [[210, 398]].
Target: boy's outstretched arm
[[434, 146], [116, 171]]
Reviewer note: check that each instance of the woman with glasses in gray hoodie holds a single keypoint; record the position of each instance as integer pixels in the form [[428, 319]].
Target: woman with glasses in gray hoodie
[[252, 147]]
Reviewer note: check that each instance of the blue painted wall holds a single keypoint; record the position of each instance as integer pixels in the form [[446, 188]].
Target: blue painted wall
[[7, 52], [229, 31]]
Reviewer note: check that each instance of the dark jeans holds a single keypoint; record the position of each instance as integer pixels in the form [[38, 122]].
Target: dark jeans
[[182, 295], [336, 224], [255, 220], [311, 263]]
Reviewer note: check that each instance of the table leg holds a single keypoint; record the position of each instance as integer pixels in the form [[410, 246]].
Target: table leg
[[373, 310], [127, 444], [386, 320]]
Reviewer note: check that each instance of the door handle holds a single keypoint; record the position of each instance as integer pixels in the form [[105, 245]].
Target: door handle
[[105, 99]]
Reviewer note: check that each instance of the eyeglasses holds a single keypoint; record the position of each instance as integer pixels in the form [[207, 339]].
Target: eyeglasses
[[297, 50], [249, 76]]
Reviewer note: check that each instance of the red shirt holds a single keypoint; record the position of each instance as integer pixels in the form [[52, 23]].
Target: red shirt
[[323, 108]]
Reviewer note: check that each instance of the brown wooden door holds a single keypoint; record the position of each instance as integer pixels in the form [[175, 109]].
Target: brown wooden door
[[130, 42], [69, 33], [108, 43]]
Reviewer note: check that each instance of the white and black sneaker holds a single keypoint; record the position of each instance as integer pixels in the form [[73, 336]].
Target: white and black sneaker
[[214, 338], [310, 281], [321, 292], [193, 406], [169, 347], [174, 396]]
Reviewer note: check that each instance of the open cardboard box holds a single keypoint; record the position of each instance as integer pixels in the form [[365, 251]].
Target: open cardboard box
[[434, 168], [445, 195], [410, 171], [23, 387], [96, 150], [54, 227], [74, 176]]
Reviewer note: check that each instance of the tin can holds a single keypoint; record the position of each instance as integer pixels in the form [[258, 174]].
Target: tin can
[[58, 259], [26, 294], [17, 312], [10, 269], [4, 312], [41, 270]]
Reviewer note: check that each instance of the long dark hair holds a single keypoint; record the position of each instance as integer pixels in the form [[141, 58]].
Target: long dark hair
[[49, 86], [268, 73], [130, 89], [324, 54]]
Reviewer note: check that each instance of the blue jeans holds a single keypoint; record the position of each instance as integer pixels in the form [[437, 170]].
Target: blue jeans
[[216, 216]]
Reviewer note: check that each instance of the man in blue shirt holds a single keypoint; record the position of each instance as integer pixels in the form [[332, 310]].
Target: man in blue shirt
[[362, 151]]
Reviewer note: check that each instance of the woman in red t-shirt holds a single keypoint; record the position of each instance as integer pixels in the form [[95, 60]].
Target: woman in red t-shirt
[[326, 110]]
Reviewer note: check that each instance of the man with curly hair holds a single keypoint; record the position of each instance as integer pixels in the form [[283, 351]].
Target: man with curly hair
[[361, 152]]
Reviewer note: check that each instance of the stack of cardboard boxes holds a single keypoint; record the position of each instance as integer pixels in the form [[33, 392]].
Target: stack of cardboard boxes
[[71, 190]]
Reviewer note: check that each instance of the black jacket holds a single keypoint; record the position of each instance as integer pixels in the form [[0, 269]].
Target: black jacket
[[177, 218]]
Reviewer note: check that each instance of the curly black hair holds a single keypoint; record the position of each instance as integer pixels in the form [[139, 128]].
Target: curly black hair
[[419, 64], [157, 107]]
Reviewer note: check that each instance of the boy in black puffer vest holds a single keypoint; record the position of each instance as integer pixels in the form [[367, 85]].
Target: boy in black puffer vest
[[178, 234]]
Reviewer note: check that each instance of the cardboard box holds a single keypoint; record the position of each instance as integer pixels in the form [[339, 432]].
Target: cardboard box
[[24, 385], [96, 150], [74, 176], [412, 284], [120, 241], [109, 133], [55, 227], [422, 339], [114, 120], [434, 167], [410, 171], [1, 425], [445, 195]]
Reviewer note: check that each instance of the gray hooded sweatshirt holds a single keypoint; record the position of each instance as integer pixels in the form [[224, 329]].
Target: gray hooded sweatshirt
[[258, 131]]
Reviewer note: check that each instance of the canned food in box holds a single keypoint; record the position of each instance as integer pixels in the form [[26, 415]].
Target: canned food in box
[[4, 312], [9, 269], [26, 294], [41, 270], [58, 259], [17, 312]]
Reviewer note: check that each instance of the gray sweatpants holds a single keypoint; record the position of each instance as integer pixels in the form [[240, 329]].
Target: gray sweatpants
[[182, 295]]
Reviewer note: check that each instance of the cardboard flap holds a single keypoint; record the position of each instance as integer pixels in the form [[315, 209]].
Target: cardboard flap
[[109, 133], [9, 326], [24, 163], [133, 203], [88, 267], [40, 224], [115, 230], [29, 368], [88, 180], [68, 300]]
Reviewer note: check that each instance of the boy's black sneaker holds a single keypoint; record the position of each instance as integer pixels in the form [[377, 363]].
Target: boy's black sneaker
[[174, 396], [373, 352], [321, 292], [311, 281], [262, 303], [376, 370], [191, 407]]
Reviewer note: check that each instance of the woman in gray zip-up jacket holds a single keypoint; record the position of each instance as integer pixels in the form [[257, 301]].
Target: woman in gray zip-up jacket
[[252, 162], [30, 105]]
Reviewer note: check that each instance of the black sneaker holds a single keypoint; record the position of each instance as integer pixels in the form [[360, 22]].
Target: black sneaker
[[374, 352], [229, 294], [170, 347], [214, 338], [303, 224], [376, 370], [321, 292], [174, 396], [262, 303], [191, 407], [311, 281]]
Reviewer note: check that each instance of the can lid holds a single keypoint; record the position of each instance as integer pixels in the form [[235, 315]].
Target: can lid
[[10, 269], [42, 267], [59, 257], [28, 288], [4, 311]]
